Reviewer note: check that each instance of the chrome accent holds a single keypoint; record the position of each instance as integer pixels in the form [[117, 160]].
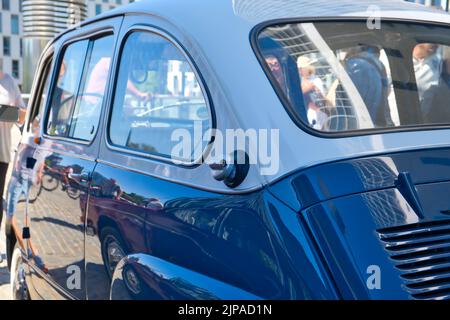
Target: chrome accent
[[221, 190], [114, 253], [19, 287], [223, 171], [68, 154], [421, 252], [47, 278]]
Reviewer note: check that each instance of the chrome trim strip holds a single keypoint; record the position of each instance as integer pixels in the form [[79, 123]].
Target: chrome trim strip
[[49, 280], [68, 154], [224, 191]]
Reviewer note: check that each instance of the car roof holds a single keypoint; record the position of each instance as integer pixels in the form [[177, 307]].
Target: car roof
[[250, 13], [254, 12]]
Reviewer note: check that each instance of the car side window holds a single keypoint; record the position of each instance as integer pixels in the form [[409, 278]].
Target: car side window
[[78, 96], [158, 93]]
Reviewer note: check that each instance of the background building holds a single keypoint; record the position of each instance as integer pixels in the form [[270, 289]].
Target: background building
[[11, 38], [96, 7], [12, 33]]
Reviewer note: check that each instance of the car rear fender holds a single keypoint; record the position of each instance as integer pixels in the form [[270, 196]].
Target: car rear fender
[[141, 277]]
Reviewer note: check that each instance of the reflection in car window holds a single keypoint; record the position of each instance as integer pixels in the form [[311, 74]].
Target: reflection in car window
[[343, 76], [91, 94], [157, 93], [78, 96], [64, 93]]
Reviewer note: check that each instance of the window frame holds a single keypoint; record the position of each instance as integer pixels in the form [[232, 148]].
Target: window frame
[[8, 38], [15, 68], [289, 108], [46, 68], [204, 89], [15, 22], [57, 66]]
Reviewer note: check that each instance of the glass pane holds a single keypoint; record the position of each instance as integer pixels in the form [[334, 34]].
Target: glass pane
[[37, 116], [343, 76], [90, 99], [157, 93], [64, 94]]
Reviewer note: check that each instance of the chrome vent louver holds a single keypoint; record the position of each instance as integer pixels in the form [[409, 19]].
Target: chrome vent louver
[[422, 254]]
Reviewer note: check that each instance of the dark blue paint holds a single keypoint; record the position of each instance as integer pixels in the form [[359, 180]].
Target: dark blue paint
[[251, 242], [406, 186], [347, 204], [347, 238], [338, 179]]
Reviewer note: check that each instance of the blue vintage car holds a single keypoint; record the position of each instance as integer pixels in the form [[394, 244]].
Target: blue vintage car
[[237, 149]]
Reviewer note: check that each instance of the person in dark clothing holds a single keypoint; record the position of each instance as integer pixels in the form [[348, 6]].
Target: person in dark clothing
[[370, 78]]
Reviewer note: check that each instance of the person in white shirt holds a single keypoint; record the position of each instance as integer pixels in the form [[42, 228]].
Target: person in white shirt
[[9, 96], [427, 67]]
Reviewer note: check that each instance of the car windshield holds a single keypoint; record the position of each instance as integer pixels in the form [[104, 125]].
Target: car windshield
[[351, 76]]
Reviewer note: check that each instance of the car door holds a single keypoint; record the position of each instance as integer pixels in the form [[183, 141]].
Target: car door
[[64, 159], [156, 92]]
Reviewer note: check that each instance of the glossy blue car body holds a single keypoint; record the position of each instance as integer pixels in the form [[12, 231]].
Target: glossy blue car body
[[339, 213]]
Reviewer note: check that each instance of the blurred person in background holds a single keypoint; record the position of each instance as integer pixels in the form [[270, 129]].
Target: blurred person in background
[[427, 67], [9, 96], [308, 74], [313, 90], [362, 64], [436, 100], [275, 67]]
